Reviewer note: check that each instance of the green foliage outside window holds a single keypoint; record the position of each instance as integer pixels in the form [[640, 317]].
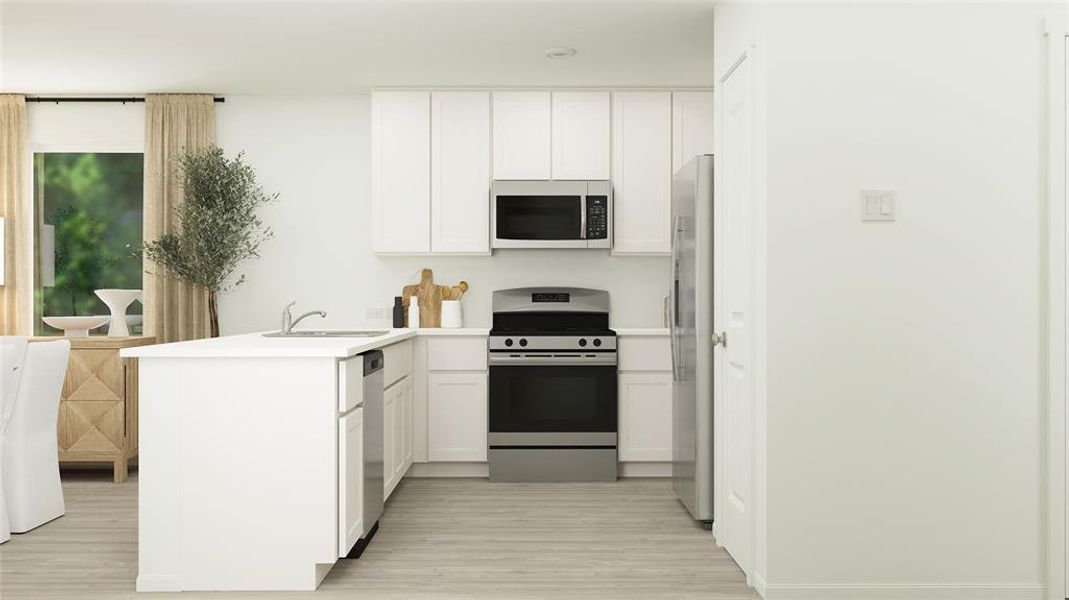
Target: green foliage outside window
[[94, 201]]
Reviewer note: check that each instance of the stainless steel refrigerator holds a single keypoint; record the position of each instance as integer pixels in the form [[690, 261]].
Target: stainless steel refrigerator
[[691, 327]]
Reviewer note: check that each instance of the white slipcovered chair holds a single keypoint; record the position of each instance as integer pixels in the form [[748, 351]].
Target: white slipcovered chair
[[30, 455], [12, 356]]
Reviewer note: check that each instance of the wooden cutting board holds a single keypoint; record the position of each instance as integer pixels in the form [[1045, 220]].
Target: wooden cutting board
[[430, 296]]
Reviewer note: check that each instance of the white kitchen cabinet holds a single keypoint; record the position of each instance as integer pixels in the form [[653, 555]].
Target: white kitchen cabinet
[[645, 416], [580, 135], [457, 417], [692, 126], [407, 406], [400, 172], [350, 479], [460, 172], [391, 454], [521, 135], [397, 407], [642, 172]]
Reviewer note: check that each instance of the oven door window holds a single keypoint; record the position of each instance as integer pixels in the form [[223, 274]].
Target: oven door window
[[552, 398], [538, 217]]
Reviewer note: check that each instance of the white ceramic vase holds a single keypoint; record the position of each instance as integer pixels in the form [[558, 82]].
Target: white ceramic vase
[[451, 315], [118, 301]]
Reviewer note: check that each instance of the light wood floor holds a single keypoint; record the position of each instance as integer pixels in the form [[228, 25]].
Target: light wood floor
[[439, 538]]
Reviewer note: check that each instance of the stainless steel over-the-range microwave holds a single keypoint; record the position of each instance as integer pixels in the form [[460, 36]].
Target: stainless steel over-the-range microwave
[[551, 214]]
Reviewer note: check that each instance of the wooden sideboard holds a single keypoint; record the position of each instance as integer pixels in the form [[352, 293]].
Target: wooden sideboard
[[98, 405]]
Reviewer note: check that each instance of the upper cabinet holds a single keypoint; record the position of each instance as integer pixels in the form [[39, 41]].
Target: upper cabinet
[[642, 172], [460, 172], [521, 135], [434, 154], [400, 172], [692, 126], [580, 135]]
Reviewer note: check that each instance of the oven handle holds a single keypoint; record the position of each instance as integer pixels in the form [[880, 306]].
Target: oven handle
[[603, 359]]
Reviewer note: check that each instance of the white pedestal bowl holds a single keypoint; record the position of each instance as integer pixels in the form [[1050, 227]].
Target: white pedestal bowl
[[76, 327], [118, 301]]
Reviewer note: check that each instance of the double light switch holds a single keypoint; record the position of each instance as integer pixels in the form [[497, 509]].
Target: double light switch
[[877, 206]]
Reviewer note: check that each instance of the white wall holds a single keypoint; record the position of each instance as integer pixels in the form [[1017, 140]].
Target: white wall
[[904, 409], [314, 151]]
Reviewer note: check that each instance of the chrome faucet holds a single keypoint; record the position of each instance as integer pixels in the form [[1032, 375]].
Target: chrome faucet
[[288, 322]]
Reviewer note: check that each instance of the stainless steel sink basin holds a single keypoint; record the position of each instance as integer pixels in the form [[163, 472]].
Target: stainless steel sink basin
[[312, 333]]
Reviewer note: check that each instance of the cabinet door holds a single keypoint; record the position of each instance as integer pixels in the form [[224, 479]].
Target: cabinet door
[[407, 405], [400, 172], [642, 172], [457, 417], [460, 172], [580, 135], [389, 456], [397, 435], [645, 416], [350, 479], [521, 135], [692, 126]]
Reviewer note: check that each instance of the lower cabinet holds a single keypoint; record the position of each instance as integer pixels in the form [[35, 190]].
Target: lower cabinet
[[456, 417], [397, 405], [350, 479], [645, 401]]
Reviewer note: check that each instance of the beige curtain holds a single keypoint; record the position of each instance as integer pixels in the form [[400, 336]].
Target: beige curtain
[[15, 291], [174, 310]]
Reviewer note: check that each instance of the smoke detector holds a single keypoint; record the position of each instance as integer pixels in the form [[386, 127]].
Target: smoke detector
[[560, 52]]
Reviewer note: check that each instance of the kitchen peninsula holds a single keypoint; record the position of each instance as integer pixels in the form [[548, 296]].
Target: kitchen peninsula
[[239, 476]]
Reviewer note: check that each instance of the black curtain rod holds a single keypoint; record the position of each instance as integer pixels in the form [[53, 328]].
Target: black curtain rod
[[124, 100]]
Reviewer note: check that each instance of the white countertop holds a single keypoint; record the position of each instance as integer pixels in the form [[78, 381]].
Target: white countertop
[[640, 331], [256, 345]]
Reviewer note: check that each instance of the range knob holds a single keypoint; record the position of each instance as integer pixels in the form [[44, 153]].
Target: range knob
[[523, 341], [508, 342], [597, 342], [582, 342]]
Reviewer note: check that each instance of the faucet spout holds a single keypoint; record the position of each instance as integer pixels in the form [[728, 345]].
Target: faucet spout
[[321, 313], [288, 322]]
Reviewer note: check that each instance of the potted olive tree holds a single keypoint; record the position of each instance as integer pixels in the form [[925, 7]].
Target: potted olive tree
[[218, 226]]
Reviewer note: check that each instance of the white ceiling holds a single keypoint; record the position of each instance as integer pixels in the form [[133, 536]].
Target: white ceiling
[[341, 46]]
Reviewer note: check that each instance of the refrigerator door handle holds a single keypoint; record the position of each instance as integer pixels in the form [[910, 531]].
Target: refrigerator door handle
[[673, 301]]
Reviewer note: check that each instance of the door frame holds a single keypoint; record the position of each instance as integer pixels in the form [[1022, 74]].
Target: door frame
[[1057, 293]]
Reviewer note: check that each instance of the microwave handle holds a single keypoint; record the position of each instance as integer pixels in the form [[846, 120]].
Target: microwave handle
[[582, 217]]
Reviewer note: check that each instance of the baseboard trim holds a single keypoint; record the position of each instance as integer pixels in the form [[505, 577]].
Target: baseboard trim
[[449, 469], [645, 469], [481, 469], [895, 591], [158, 583]]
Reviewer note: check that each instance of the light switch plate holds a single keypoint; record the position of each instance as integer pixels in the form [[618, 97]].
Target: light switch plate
[[878, 206], [375, 314]]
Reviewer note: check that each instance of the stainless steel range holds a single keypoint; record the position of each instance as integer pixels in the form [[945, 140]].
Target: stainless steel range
[[552, 386]]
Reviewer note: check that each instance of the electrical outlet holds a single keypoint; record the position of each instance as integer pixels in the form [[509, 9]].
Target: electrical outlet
[[375, 313]]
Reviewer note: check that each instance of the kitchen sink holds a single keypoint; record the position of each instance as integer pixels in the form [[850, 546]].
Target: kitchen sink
[[333, 333]]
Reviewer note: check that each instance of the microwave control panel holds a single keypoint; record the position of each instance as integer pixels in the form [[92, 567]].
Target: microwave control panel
[[597, 217]]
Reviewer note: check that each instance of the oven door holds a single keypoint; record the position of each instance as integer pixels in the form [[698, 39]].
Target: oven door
[[553, 405], [538, 214]]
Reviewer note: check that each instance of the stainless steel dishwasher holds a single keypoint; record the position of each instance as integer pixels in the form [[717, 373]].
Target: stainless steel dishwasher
[[372, 455]]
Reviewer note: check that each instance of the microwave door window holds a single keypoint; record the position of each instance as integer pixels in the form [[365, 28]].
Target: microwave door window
[[538, 217]]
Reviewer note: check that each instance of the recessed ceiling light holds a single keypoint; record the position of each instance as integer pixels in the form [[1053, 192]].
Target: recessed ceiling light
[[560, 52]]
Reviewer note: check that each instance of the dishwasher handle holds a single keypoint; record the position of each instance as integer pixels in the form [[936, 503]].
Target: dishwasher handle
[[373, 361]]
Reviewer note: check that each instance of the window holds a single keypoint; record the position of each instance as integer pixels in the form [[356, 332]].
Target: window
[[88, 208]]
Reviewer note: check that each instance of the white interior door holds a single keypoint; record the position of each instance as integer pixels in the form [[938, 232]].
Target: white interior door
[[734, 315]]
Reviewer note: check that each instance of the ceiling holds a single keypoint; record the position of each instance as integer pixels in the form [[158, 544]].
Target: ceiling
[[344, 46]]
